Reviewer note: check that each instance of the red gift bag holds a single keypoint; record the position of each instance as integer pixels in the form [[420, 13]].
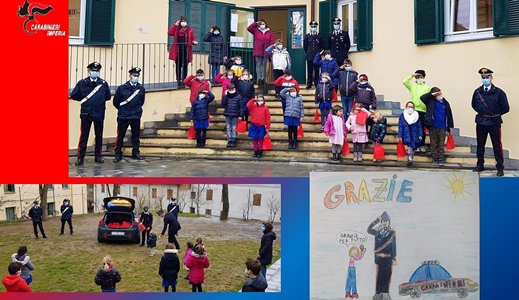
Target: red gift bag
[[300, 132], [267, 143], [143, 227], [353, 105], [191, 133], [400, 150], [450, 142], [242, 126], [378, 152], [345, 148], [361, 118], [316, 116], [208, 117], [334, 95]]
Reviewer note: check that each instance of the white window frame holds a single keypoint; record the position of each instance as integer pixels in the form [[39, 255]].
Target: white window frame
[[80, 40], [351, 24], [473, 33]]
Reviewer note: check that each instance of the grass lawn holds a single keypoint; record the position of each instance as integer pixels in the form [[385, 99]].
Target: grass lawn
[[70, 262]]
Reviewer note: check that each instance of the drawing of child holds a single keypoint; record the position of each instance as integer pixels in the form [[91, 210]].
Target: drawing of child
[[351, 283]]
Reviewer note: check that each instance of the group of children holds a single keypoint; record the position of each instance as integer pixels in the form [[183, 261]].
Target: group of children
[[20, 272]]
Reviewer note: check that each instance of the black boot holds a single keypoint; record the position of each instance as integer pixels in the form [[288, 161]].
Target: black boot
[[198, 143], [229, 144], [309, 85], [334, 157], [255, 153], [118, 158], [339, 157], [99, 159], [289, 144], [260, 153], [295, 145], [202, 143], [80, 161], [234, 143]]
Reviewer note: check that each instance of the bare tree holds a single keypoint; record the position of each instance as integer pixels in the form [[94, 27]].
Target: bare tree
[[108, 190], [225, 199], [117, 190], [143, 199], [181, 201], [198, 199], [247, 206], [274, 204], [157, 201], [43, 190], [90, 198]]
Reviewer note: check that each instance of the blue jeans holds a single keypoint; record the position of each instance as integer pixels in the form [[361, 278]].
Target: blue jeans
[[351, 283], [230, 124], [215, 70], [264, 271], [261, 66], [347, 101]]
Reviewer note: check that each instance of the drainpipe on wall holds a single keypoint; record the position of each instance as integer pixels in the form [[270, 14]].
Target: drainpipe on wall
[[312, 10], [20, 193]]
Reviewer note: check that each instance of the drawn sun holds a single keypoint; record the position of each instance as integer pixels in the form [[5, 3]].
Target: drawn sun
[[457, 185]]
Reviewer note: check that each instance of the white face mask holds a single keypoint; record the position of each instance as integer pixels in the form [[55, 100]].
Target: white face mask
[[293, 94], [246, 272], [439, 98], [420, 80], [409, 110], [238, 62], [201, 96], [325, 79], [231, 92], [245, 77], [328, 56], [230, 76], [183, 24], [262, 27], [200, 77], [259, 102], [288, 77], [280, 47]]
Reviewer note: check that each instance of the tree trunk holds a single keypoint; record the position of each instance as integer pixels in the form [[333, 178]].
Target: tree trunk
[[225, 199], [108, 190], [116, 190], [43, 189]]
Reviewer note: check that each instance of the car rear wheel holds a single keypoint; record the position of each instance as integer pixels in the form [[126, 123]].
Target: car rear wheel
[[100, 240], [415, 293], [462, 293]]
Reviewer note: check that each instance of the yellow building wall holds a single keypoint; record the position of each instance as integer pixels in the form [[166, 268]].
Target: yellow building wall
[[133, 14]]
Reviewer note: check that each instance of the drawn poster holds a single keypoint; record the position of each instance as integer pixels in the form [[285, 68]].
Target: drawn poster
[[382, 236]]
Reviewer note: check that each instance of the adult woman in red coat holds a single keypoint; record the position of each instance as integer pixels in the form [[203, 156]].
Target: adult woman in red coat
[[263, 37], [182, 50]]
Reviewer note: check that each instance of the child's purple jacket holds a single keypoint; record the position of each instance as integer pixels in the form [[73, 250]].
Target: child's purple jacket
[[329, 129]]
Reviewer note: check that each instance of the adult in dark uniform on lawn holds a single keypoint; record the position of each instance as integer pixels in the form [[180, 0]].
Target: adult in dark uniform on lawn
[[36, 214], [339, 41], [490, 103], [66, 216], [313, 43], [171, 225], [128, 100], [146, 218], [92, 92], [173, 207]]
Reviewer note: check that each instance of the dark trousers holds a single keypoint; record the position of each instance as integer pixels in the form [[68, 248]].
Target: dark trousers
[[277, 74], [324, 115], [495, 136], [86, 124], [69, 221], [421, 116], [173, 288], [437, 142], [383, 278], [369, 123], [122, 127], [292, 133], [312, 72], [173, 239], [357, 147], [201, 134], [35, 226], [145, 235], [181, 64], [196, 288]]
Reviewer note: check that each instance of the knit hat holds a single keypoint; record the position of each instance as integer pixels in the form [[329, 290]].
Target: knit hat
[[363, 77]]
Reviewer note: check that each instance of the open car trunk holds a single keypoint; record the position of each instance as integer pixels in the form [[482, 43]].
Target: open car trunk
[[118, 220]]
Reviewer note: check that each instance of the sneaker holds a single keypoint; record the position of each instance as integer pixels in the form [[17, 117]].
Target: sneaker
[[348, 295], [500, 173], [441, 162], [355, 295], [422, 150], [435, 163], [285, 127]]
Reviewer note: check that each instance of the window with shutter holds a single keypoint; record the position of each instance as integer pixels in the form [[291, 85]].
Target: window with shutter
[[428, 18], [364, 24], [194, 20], [326, 15], [100, 22], [506, 17], [176, 9]]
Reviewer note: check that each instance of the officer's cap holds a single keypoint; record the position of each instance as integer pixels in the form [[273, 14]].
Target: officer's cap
[[95, 66], [485, 72], [135, 71], [313, 23], [336, 20]]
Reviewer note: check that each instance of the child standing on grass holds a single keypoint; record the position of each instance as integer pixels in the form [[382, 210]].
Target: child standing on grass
[[410, 130], [200, 116], [13, 282], [24, 260], [335, 128], [359, 134], [107, 277], [256, 281], [199, 242], [152, 242], [169, 268], [378, 131], [196, 264], [323, 97], [351, 282], [187, 255], [293, 115], [260, 123]]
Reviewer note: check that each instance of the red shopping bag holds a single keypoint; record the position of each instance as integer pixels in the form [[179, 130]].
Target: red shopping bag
[[378, 152], [300, 132], [334, 95], [242, 126], [208, 117], [400, 150], [361, 118], [316, 116], [143, 227], [191, 133], [450, 142], [345, 148], [353, 105], [267, 143], [425, 130]]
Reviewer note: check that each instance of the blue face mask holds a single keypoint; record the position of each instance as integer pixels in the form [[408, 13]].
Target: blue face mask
[[216, 32], [336, 27], [348, 68], [263, 227], [486, 82], [313, 29], [135, 79], [94, 74]]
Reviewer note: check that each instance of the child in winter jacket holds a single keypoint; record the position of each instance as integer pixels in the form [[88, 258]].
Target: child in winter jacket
[[225, 79], [24, 260], [364, 94], [346, 76], [196, 83], [335, 128], [107, 277], [152, 242], [359, 134], [256, 281], [245, 88], [328, 65], [260, 123], [199, 115], [235, 64], [323, 96], [196, 264], [287, 80], [169, 268], [293, 115], [280, 60], [233, 104], [187, 255], [410, 130], [13, 282], [378, 131]]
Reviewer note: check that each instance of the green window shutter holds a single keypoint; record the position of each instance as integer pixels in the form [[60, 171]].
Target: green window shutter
[[326, 14], [365, 24], [209, 19], [177, 8], [428, 20], [506, 17], [100, 22], [194, 20]]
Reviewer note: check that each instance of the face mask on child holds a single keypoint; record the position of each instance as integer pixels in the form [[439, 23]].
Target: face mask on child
[[280, 47], [230, 76], [245, 77], [238, 62], [263, 227], [183, 24], [260, 102], [201, 96], [231, 91], [420, 80], [409, 110], [328, 56], [216, 32], [288, 77], [363, 83], [348, 68], [293, 94], [200, 78], [325, 79], [439, 98], [246, 272]]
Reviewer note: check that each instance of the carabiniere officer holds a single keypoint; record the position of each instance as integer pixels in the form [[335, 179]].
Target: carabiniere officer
[[313, 44], [339, 41]]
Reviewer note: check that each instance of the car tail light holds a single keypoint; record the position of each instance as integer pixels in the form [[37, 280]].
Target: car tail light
[[101, 223]]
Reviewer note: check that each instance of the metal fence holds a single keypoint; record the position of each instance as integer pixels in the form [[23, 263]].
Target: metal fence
[[158, 71]]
